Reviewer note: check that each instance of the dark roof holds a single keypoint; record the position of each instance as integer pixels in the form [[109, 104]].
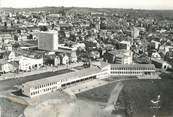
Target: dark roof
[[71, 76]]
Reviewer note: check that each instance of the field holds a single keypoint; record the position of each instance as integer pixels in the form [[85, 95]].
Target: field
[[135, 97]]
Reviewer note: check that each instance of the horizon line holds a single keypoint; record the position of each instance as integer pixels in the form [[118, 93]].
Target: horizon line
[[150, 9]]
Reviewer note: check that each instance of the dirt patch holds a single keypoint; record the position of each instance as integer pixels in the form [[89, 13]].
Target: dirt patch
[[99, 94], [49, 108], [10, 108]]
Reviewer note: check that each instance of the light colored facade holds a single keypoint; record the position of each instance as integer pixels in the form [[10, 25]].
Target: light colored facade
[[97, 71], [127, 43], [65, 59], [51, 84], [11, 56], [27, 64], [124, 57], [156, 55], [73, 57], [156, 44], [41, 89], [132, 69], [161, 64], [7, 67], [48, 40]]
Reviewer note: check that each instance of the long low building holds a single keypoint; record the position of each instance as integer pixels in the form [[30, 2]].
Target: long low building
[[97, 71], [51, 84], [132, 70]]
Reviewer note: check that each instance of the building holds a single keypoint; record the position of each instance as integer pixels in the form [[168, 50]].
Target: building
[[156, 55], [11, 56], [27, 64], [132, 69], [57, 61], [51, 84], [65, 59], [73, 57], [97, 71], [135, 32], [48, 40], [120, 57], [161, 64], [156, 44], [6, 66], [125, 45]]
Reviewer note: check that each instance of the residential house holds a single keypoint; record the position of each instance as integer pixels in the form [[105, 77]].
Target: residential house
[[11, 56], [73, 57], [57, 61], [6, 66], [65, 59]]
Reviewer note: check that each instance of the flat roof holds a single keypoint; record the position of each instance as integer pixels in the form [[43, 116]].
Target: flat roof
[[100, 64], [115, 52], [71, 76], [47, 32]]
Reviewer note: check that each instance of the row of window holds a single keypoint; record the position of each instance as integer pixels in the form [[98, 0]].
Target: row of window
[[45, 85], [50, 84], [125, 72], [84, 79], [132, 68], [44, 90], [35, 93]]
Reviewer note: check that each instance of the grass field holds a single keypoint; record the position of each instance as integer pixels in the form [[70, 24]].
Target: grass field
[[136, 97]]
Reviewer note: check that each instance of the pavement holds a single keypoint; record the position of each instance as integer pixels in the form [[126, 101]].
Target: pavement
[[85, 86], [39, 71]]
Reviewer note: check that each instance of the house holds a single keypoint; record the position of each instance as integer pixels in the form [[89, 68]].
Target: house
[[161, 64], [73, 57], [11, 56], [65, 59], [6, 66], [8, 47], [125, 45], [57, 61], [156, 44], [95, 54], [119, 57], [156, 55]]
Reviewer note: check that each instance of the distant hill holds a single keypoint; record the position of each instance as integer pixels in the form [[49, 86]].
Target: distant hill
[[81, 10]]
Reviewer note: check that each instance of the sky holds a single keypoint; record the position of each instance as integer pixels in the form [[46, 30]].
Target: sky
[[136, 4]]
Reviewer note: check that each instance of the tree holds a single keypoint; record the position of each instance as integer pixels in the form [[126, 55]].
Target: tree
[[30, 36], [43, 28], [15, 37]]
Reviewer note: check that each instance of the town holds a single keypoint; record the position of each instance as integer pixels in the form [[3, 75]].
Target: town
[[53, 52]]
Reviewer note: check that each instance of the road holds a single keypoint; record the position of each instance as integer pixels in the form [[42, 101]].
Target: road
[[10, 83]]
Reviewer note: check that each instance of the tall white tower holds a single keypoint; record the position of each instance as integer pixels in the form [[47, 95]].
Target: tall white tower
[[48, 40]]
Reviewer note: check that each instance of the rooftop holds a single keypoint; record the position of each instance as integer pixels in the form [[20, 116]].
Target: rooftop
[[71, 76], [117, 52]]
